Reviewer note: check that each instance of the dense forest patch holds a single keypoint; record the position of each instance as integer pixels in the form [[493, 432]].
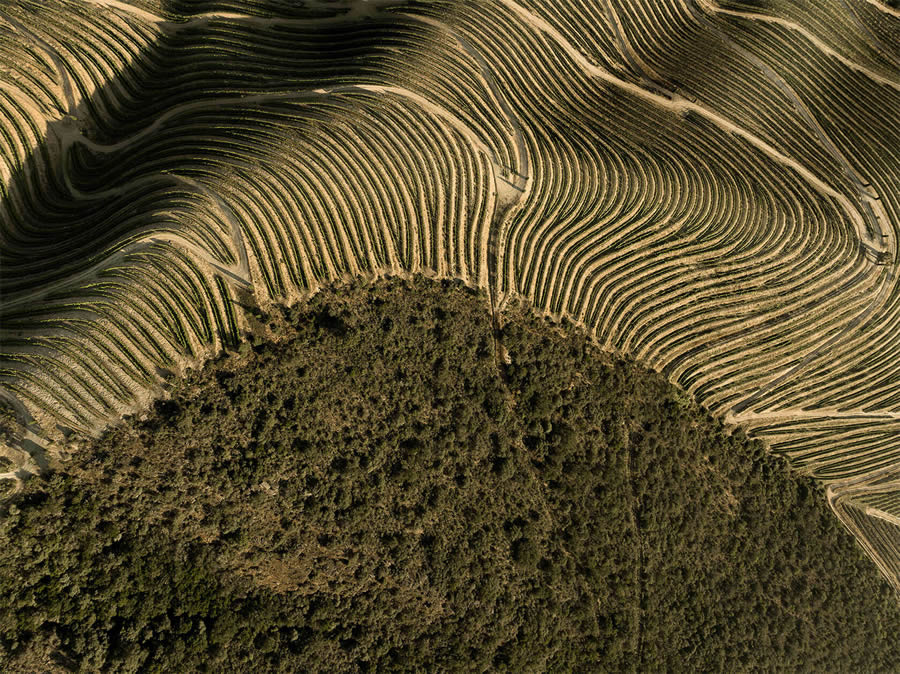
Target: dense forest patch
[[374, 490]]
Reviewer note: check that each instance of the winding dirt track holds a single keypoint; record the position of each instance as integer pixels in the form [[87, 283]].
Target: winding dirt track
[[824, 48], [678, 104]]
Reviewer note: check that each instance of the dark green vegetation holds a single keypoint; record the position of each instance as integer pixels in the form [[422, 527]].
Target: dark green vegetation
[[373, 492]]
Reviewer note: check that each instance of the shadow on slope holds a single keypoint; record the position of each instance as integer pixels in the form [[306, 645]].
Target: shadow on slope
[[100, 189]]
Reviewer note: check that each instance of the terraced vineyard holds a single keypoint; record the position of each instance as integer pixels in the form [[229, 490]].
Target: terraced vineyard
[[712, 187]]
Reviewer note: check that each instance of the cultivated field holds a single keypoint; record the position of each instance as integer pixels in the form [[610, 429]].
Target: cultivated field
[[709, 186]]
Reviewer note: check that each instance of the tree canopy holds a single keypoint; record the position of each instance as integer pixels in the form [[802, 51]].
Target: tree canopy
[[380, 480]]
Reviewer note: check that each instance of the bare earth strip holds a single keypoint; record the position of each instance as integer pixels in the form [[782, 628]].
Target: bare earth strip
[[797, 28], [678, 104]]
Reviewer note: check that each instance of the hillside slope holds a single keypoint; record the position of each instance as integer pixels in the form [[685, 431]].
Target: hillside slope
[[711, 187], [368, 488]]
